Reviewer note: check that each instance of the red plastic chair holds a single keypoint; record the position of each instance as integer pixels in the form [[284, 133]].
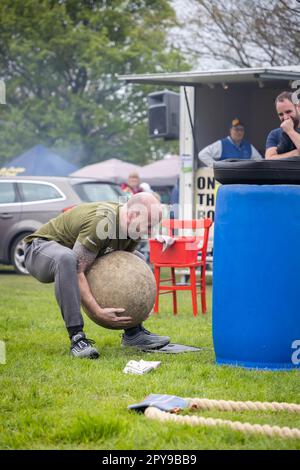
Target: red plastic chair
[[183, 253]]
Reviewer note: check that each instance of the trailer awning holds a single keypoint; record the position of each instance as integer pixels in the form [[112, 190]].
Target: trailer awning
[[239, 75]]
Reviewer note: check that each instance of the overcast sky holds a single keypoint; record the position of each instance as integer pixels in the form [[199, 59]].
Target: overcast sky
[[184, 10]]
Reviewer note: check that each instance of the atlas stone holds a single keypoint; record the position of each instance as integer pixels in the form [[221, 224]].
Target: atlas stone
[[122, 280]]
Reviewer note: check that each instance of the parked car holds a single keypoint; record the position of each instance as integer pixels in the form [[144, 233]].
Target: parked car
[[27, 202]]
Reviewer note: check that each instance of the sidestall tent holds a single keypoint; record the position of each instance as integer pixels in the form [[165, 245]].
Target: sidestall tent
[[214, 98]]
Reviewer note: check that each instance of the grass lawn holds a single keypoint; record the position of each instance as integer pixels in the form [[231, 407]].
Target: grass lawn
[[49, 400]]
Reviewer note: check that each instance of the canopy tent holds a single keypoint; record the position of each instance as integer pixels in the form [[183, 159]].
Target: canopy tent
[[41, 161], [163, 172], [114, 170]]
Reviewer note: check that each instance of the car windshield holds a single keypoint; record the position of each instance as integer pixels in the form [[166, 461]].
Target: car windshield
[[93, 192]]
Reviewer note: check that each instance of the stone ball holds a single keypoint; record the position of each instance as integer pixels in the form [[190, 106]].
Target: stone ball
[[122, 280]]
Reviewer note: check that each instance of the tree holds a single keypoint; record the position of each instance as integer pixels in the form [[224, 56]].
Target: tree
[[60, 60], [247, 33]]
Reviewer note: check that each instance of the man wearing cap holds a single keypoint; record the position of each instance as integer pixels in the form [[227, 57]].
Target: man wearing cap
[[232, 146]]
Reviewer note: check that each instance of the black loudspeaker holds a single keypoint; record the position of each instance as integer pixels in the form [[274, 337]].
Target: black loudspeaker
[[163, 112]]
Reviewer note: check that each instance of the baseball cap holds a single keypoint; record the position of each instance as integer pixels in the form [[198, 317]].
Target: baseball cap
[[236, 123]]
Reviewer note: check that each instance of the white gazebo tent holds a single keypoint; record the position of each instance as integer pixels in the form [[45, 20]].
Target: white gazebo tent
[[112, 170], [163, 172]]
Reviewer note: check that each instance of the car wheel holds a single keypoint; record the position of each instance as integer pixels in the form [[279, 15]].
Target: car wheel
[[17, 254]]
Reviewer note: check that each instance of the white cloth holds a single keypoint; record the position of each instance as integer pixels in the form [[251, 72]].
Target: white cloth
[[140, 367], [166, 240]]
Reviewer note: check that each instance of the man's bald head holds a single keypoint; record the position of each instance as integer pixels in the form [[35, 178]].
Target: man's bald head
[[146, 199], [143, 212]]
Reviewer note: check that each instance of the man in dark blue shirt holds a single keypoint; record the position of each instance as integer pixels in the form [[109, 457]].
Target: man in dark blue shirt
[[284, 141]]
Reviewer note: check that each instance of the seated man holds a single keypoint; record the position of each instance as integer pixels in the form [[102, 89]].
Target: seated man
[[232, 146], [63, 249], [284, 141]]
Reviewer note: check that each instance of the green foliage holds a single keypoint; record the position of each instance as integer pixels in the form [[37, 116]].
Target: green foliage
[[49, 400], [60, 61]]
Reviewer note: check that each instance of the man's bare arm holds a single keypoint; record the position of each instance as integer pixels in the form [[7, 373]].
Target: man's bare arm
[[271, 154], [85, 257]]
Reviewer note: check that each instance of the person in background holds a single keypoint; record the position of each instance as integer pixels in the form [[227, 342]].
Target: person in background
[[133, 185], [284, 141], [232, 146]]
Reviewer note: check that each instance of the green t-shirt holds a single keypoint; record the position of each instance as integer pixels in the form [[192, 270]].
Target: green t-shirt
[[95, 225]]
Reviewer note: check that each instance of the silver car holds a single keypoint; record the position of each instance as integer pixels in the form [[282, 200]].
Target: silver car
[[27, 202]]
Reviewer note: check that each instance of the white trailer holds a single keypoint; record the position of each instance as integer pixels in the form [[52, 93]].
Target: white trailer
[[214, 98]]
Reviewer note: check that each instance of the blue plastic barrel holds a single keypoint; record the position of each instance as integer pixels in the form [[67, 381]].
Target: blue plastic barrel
[[256, 278]]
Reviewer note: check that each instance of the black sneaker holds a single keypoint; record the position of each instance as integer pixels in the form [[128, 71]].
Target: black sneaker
[[144, 340], [82, 347]]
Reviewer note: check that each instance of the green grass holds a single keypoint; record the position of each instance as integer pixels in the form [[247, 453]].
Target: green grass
[[51, 401]]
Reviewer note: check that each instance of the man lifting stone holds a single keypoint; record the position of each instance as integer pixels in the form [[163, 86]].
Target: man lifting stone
[[63, 249]]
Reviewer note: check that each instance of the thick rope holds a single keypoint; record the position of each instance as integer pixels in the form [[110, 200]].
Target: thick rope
[[229, 405], [224, 405], [284, 432]]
